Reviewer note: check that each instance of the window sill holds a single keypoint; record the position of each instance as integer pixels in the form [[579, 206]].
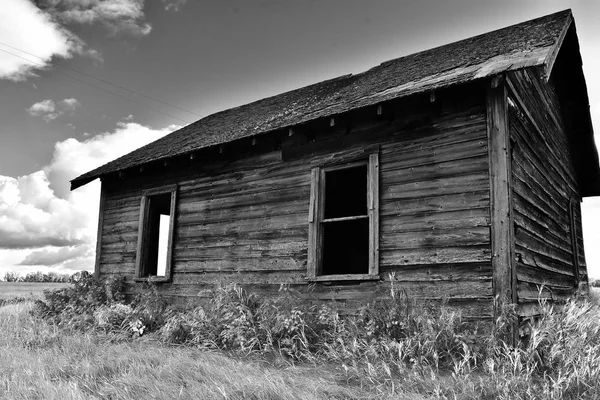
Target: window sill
[[156, 279], [349, 277]]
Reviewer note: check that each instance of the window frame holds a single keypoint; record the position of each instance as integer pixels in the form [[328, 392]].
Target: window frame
[[316, 217], [143, 233], [573, 212]]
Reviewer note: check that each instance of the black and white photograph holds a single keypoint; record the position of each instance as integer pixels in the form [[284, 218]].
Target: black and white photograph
[[299, 199]]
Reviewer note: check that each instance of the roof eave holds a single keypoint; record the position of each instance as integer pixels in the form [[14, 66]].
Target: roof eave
[[551, 57]]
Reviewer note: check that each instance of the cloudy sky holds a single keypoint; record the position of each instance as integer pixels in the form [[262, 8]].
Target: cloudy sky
[[85, 81]]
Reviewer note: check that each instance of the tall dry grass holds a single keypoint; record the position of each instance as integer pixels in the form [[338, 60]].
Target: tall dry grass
[[41, 361], [83, 342]]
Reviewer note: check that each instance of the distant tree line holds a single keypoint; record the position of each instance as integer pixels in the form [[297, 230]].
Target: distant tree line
[[37, 277]]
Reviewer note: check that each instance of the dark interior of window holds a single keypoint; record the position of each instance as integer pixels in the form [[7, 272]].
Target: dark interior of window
[[155, 248], [346, 192], [346, 247], [346, 242]]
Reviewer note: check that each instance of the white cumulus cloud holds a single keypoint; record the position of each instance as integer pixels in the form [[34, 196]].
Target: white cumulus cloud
[[173, 5], [31, 216], [52, 257], [25, 27], [33, 33], [49, 110], [119, 16], [45, 225]]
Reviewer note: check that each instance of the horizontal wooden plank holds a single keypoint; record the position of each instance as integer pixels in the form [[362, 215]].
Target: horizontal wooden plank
[[120, 226], [191, 228], [128, 236], [117, 258], [263, 250], [535, 220], [477, 289], [432, 187], [270, 198], [438, 272], [126, 270], [125, 214], [529, 257], [547, 190], [538, 169], [247, 184], [469, 218], [522, 224], [545, 134], [530, 193], [266, 206], [456, 128], [181, 266], [115, 247], [427, 156], [276, 277], [436, 238], [420, 206], [436, 170], [542, 246], [435, 256], [260, 238], [535, 275], [528, 292]]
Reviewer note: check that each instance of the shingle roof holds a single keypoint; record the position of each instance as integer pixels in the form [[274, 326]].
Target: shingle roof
[[531, 43]]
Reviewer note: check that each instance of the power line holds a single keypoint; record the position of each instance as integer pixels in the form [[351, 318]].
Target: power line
[[105, 81], [103, 89]]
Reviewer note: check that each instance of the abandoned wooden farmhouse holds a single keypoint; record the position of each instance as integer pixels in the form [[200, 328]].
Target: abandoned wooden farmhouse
[[457, 172]]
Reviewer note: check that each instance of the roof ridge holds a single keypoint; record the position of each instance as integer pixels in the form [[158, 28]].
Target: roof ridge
[[471, 38], [504, 49]]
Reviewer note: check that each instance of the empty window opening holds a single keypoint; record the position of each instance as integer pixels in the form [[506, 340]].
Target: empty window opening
[[163, 243], [346, 222], [346, 247], [156, 233], [346, 192], [343, 221]]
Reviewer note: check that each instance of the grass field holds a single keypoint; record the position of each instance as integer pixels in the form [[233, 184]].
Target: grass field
[[9, 290], [41, 362], [64, 359]]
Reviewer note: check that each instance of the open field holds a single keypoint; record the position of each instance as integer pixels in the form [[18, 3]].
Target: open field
[[10, 290], [41, 362], [94, 354]]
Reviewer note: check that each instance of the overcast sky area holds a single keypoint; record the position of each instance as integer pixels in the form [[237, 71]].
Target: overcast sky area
[[66, 65]]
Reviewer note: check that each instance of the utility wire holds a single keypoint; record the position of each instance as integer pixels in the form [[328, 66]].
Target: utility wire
[[105, 81], [103, 89]]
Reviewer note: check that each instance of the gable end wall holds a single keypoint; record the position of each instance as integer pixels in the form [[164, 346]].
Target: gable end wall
[[544, 182]]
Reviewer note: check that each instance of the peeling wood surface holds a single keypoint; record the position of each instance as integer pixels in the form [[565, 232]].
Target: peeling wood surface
[[544, 182], [245, 219], [512, 48], [502, 234]]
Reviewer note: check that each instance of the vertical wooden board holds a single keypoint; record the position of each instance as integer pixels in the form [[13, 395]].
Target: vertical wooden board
[[373, 196], [573, 210], [170, 244], [502, 235], [140, 241], [100, 227], [313, 223]]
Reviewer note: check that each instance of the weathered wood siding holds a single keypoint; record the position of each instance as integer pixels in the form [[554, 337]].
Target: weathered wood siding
[[544, 182], [245, 219]]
